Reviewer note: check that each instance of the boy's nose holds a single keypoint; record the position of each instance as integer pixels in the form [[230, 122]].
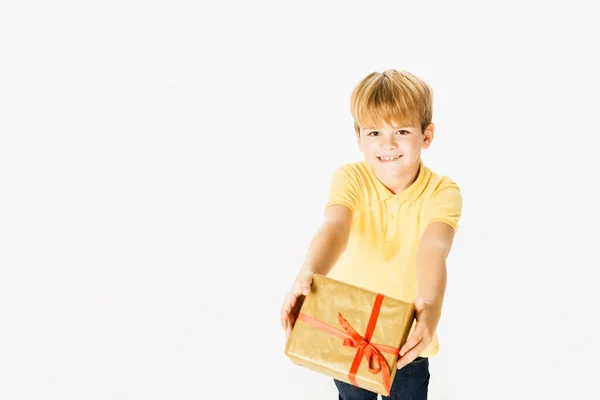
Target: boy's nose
[[390, 144]]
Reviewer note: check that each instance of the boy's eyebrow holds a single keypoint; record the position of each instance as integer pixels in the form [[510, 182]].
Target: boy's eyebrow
[[407, 125]]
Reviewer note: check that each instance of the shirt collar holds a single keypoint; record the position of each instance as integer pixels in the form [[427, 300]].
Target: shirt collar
[[409, 194]]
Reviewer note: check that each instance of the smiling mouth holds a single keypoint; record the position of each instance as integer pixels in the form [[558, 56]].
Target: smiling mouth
[[391, 158]]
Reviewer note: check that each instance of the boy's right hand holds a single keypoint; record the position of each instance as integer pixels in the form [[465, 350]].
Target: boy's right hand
[[293, 301]]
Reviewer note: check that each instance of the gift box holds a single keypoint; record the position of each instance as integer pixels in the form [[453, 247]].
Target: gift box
[[351, 334]]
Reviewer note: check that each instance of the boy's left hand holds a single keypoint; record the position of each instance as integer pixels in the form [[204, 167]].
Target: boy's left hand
[[427, 316]]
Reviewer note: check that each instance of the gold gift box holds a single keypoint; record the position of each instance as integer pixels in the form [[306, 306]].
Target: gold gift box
[[340, 327]]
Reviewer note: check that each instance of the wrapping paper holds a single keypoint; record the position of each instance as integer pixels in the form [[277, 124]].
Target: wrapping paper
[[350, 334]]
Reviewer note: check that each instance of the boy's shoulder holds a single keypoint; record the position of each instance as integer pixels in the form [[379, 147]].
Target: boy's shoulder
[[439, 181], [353, 165], [356, 169]]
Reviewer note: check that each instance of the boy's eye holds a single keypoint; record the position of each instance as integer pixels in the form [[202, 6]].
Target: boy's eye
[[375, 133]]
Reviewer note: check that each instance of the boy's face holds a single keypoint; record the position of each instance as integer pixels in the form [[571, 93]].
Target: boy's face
[[402, 142]]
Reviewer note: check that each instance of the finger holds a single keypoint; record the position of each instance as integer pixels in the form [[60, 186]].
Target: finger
[[289, 302], [290, 320], [283, 313], [419, 303], [297, 288], [287, 305], [285, 320], [305, 288], [412, 341], [304, 283], [286, 308], [410, 355], [292, 305], [288, 332]]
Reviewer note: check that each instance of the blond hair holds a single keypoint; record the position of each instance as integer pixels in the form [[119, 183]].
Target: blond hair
[[397, 96]]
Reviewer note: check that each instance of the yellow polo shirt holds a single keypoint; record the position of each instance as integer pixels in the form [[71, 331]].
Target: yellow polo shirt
[[386, 228]]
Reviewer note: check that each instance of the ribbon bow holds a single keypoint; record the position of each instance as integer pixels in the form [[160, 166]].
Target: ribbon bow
[[371, 351], [367, 349]]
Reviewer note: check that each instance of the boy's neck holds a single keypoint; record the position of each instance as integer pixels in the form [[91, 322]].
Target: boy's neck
[[398, 183]]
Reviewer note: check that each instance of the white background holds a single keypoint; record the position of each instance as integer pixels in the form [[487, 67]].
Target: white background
[[163, 167]]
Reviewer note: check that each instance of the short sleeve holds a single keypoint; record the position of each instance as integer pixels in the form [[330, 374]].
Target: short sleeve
[[445, 205], [344, 190]]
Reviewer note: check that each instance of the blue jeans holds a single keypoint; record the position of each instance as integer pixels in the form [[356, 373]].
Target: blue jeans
[[410, 383]]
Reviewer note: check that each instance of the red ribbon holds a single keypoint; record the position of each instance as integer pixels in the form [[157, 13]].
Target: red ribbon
[[371, 351]]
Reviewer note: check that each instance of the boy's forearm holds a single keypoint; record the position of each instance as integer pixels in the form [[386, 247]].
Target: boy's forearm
[[432, 253], [324, 250], [431, 278]]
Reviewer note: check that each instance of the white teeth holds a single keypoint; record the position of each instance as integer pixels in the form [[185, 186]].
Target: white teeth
[[389, 158]]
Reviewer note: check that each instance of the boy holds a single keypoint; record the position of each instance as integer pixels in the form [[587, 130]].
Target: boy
[[389, 222]]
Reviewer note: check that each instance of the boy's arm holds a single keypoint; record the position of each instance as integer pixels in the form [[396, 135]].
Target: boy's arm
[[442, 216], [434, 247], [324, 250], [433, 250], [329, 242]]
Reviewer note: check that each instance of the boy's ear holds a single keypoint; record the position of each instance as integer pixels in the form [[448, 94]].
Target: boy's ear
[[428, 135]]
